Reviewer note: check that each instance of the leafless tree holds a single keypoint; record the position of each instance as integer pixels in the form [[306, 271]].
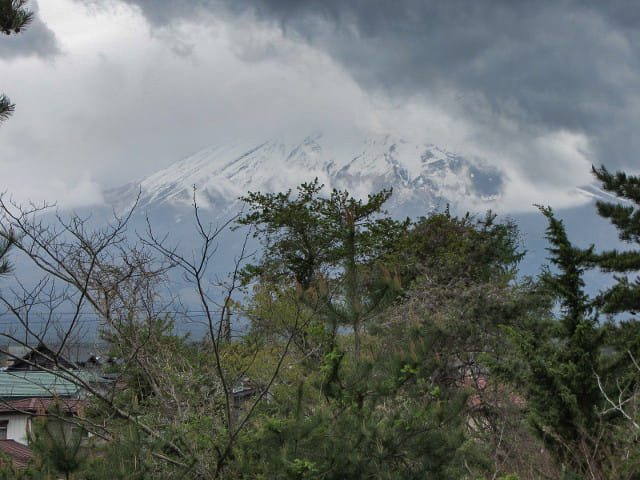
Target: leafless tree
[[627, 402], [123, 284]]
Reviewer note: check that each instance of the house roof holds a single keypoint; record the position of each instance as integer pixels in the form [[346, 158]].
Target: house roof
[[37, 383], [21, 454], [482, 397], [41, 356], [42, 405]]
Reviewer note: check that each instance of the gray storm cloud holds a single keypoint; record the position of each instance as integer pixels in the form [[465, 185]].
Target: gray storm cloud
[[553, 65]]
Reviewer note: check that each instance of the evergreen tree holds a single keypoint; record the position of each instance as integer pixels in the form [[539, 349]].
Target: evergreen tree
[[463, 271], [623, 332], [398, 409], [332, 247], [556, 363], [13, 18], [620, 379], [59, 445], [6, 242], [465, 249], [578, 340], [625, 216], [385, 415], [125, 457], [460, 280]]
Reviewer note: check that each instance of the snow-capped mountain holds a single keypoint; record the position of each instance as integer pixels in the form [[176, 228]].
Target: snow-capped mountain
[[422, 175]]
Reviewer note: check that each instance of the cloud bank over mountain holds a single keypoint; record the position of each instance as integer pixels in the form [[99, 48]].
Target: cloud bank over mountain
[[109, 91], [568, 65]]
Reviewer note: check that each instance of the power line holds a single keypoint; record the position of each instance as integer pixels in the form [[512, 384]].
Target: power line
[[82, 317]]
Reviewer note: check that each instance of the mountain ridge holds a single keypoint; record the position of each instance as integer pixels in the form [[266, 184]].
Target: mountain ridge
[[421, 174]]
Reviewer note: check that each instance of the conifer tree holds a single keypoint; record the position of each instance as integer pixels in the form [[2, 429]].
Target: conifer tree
[[625, 216], [578, 341], [13, 18], [60, 447], [620, 379], [557, 360], [330, 246], [386, 415], [377, 410], [5, 244]]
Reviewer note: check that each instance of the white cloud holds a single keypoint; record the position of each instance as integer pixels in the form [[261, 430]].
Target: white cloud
[[123, 103]]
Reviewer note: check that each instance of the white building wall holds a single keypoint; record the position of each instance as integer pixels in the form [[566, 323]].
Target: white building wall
[[17, 427]]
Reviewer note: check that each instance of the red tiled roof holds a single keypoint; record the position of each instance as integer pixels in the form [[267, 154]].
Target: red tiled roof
[[42, 405], [479, 385], [20, 453]]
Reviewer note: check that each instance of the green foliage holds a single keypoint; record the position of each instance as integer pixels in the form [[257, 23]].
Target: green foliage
[[575, 359], [461, 280], [172, 387], [625, 216], [277, 312], [332, 247], [6, 107], [464, 250], [309, 235], [462, 273], [375, 349], [155, 343], [379, 417], [561, 358], [58, 443], [359, 416], [559, 362], [294, 234], [125, 457], [13, 17], [6, 242], [568, 286], [623, 335], [9, 471]]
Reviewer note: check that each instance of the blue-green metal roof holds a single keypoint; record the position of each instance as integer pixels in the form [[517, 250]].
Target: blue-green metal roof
[[35, 383]]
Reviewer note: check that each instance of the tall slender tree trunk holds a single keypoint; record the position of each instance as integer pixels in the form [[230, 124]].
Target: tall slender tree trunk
[[351, 278]]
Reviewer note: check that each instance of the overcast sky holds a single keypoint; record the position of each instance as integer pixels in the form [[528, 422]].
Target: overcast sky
[[108, 91]]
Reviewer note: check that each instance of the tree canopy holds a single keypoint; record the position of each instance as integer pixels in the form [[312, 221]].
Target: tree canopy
[[369, 347]]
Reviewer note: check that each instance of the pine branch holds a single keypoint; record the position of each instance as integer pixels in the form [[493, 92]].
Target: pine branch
[[621, 184], [14, 16], [6, 107]]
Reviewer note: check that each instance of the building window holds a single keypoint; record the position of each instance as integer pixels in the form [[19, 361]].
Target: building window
[[4, 425]]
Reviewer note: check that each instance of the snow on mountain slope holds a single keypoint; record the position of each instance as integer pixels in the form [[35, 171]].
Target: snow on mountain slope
[[421, 174]]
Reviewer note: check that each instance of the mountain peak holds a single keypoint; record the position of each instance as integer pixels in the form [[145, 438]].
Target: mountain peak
[[420, 173]]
